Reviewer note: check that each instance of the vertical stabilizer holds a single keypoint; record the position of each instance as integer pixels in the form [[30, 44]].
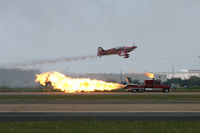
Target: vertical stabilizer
[[100, 50]]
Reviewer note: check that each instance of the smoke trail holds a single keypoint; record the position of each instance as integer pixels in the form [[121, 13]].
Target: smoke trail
[[65, 59]]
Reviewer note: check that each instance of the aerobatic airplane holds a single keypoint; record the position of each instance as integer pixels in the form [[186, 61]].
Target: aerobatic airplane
[[121, 51]]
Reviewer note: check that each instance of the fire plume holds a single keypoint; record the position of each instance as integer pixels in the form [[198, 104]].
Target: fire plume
[[150, 75], [73, 85]]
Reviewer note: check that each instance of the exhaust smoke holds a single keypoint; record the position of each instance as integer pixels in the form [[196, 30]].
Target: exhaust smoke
[[40, 62]]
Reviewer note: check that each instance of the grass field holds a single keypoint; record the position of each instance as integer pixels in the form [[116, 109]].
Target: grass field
[[100, 127], [121, 98]]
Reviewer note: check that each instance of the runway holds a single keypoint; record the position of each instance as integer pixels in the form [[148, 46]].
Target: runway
[[99, 93], [99, 116], [59, 111], [78, 106], [70, 109]]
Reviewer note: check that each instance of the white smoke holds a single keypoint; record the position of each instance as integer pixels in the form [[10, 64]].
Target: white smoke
[[51, 61]]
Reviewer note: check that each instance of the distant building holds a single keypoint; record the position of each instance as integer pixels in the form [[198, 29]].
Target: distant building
[[183, 74]]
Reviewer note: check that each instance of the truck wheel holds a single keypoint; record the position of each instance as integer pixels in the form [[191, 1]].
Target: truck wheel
[[133, 90], [140, 90], [166, 90]]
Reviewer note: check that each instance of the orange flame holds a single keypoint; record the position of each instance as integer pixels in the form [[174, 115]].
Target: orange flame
[[150, 75], [71, 85]]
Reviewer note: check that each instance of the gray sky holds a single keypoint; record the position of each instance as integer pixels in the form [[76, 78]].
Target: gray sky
[[165, 31]]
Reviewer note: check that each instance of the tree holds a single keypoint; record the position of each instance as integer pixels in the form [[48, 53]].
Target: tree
[[178, 82]]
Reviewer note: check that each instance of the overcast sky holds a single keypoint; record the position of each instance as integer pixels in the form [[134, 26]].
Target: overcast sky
[[167, 33]]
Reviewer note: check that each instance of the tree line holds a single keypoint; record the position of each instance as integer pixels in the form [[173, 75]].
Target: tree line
[[193, 81]]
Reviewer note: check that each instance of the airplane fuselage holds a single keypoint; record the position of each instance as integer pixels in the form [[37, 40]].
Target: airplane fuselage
[[121, 51]]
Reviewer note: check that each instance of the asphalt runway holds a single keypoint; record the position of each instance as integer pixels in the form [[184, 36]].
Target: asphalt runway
[[99, 93], [78, 106], [99, 116], [60, 111], [91, 110]]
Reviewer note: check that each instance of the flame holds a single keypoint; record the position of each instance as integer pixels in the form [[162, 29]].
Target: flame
[[150, 75], [71, 85]]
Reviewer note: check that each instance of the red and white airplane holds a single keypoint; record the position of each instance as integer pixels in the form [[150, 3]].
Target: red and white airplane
[[121, 51]]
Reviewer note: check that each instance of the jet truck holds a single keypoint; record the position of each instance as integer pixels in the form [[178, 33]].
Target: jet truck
[[149, 85]]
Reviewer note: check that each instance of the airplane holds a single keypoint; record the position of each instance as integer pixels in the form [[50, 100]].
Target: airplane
[[121, 51]]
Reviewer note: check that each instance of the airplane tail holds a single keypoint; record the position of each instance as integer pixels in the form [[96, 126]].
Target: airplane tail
[[100, 50]]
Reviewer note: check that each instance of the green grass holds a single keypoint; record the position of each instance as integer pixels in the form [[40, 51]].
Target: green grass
[[121, 98], [100, 127]]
